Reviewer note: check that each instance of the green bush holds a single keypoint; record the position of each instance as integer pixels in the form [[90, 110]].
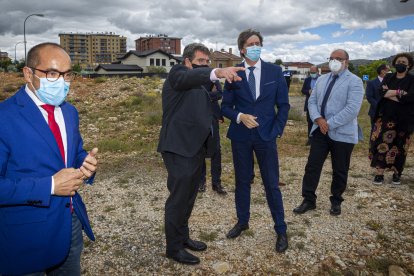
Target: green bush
[[100, 80]]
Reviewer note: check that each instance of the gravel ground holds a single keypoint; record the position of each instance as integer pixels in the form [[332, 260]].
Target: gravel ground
[[373, 235]]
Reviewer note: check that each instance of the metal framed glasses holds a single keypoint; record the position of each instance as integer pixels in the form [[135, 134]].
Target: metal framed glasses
[[336, 58], [54, 75]]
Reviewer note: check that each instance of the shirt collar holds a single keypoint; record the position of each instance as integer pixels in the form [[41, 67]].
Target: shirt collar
[[32, 96], [258, 64]]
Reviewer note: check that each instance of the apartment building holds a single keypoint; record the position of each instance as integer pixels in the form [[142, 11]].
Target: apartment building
[[91, 49], [170, 45], [4, 56]]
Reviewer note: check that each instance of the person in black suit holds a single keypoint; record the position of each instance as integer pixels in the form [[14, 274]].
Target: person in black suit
[[216, 93], [372, 90], [307, 87], [185, 139]]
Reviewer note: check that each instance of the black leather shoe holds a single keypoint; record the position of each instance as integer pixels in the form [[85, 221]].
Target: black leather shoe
[[237, 230], [219, 189], [195, 245], [335, 210], [183, 257], [304, 207], [281, 243], [202, 187]]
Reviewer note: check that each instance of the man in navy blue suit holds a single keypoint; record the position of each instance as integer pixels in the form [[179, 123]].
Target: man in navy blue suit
[[42, 165], [307, 87], [250, 105], [372, 92]]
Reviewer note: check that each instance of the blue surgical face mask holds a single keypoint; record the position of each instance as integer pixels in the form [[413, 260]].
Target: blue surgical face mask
[[52, 92], [253, 52], [313, 75]]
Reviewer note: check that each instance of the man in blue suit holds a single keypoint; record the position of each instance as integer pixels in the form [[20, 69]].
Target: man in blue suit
[[333, 107], [307, 87], [42, 165], [372, 90], [250, 105]]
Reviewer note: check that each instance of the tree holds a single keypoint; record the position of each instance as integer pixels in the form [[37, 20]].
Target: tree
[[76, 68], [370, 69], [5, 64], [352, 68], [278, 61]]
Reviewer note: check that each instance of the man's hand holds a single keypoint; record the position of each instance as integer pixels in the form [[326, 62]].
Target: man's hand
[[90, 164], [67, 181], [323, 125], [229, 73], [249, 120]]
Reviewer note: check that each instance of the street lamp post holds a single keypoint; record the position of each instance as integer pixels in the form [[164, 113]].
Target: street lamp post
[[15, 58], [24, 32]]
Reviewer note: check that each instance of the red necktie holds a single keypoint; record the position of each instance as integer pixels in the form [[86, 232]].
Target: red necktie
[[54, 127]]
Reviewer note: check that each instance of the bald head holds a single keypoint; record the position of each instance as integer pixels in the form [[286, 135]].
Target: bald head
[[35, 54], [313, 69], [43, 58]]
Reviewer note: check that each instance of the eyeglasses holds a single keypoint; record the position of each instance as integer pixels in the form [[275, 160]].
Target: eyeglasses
[[336, 58], [54, 75], [202, 61]]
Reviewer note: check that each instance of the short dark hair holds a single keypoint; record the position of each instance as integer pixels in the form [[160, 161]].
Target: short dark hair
[[381, 67], [33, 57], [408, 56], [245, 35], [191, 49]]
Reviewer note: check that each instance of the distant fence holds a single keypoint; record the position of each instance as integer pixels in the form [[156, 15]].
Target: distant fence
[[138, 75]]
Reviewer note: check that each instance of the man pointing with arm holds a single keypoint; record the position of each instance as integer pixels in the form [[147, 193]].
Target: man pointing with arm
[[186, 137]]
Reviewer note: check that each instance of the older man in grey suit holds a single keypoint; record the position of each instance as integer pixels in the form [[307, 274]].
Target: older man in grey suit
[[333, 107]]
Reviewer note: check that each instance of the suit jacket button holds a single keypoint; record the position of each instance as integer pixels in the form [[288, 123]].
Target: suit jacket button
[[67, 205]]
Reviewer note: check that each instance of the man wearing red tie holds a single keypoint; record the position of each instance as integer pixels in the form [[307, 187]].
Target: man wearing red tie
[[42, 165]]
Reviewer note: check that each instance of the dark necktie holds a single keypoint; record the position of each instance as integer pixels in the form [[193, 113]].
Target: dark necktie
[[54, 127], [252, 82], [328, 92]]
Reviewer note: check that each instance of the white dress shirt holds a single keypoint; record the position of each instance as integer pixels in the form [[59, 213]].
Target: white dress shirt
[[257, 72], [59, 120]]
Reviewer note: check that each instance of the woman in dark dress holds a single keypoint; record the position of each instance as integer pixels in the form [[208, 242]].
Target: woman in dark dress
[[394, 121]]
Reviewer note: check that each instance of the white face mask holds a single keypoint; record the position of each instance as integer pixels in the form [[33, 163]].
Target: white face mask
[[335, 66]]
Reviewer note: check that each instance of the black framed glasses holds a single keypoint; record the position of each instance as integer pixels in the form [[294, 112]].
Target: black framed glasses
[[54, 75]]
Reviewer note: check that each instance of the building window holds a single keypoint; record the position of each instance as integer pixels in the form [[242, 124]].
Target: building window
[[172, 63], [220, 65], [164, 62], [151, 62], [157, 62]]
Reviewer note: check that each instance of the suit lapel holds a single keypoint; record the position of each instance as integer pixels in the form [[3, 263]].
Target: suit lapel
[[69, 134], [31, 113], [263, 79], [244, 82]]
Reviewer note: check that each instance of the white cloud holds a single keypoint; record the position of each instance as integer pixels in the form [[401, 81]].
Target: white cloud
[[284, 23], [342, 33]]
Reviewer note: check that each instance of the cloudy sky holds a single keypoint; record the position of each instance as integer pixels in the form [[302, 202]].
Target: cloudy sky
[[301, 30]]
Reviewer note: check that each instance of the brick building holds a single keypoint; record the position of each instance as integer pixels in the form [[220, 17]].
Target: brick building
[[170, 45]]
